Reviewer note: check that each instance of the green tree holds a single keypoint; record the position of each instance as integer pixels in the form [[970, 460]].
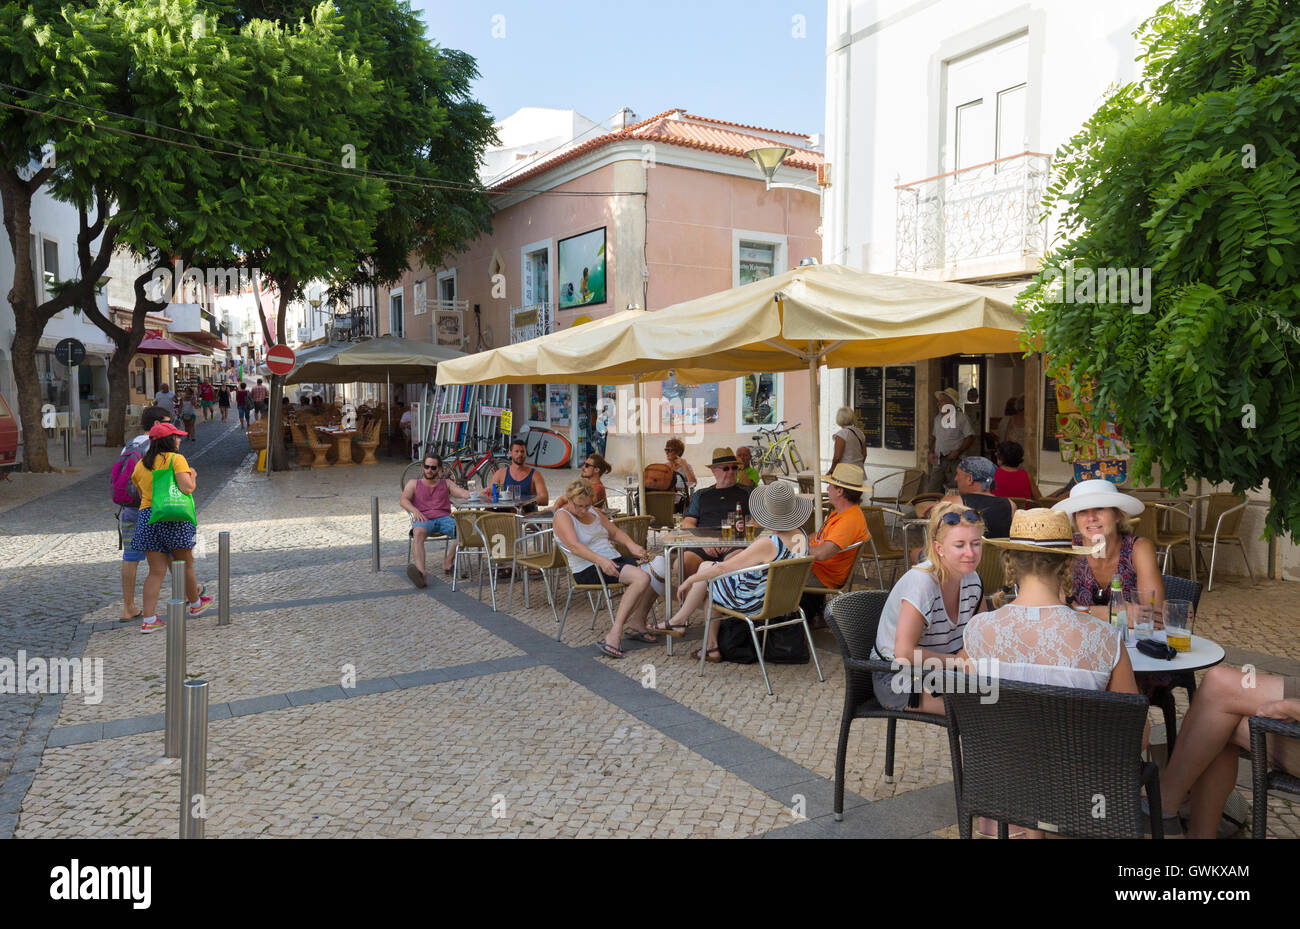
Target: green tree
[[1192, 173]]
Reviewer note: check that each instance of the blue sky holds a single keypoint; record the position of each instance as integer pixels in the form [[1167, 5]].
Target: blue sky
[[651, 55]]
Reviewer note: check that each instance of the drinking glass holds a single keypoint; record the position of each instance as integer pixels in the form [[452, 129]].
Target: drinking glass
[[1141, 607], [1178, 624], [750, 529], [726, 532]]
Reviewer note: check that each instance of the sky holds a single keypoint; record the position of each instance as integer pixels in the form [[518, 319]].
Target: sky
[[758, 62]]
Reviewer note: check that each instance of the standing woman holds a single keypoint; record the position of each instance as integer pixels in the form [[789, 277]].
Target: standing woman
[[167, 541], [925, 617], [189, 414], [850, 442], [223, 401]]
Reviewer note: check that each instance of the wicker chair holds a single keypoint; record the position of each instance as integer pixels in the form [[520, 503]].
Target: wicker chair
[[1222, 524], [659, 506], [498, 533], [467, 543], [1262, 779], [991, 570], [805, 484], [813, 585], [368, 444], [1176, 588], [637, 529], [300, 446], [854, 619], [538, 551], [911, 483], [768, 477], [785, 581], [257, 435], [608, 590], [1048, 758], [882, 548], [1149, 527]]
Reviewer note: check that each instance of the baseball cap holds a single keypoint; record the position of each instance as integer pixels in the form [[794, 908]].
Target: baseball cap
[[161, 430]]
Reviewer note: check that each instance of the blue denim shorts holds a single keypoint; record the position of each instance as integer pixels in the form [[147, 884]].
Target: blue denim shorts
[[443, 524], [126, 528]]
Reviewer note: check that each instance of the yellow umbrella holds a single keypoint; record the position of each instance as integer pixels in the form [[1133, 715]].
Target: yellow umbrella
[[811, 316]]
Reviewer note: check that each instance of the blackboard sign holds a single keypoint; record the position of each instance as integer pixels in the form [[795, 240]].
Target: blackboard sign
[[900, 408], [1050, 442], [868, 402]]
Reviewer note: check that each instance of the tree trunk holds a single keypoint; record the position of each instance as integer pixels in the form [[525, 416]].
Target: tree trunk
[[276, 450], [119, 392], [36, 455]]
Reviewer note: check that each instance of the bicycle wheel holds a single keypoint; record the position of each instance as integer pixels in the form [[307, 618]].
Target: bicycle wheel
[[412, 471], [782, 463], [795, 458]]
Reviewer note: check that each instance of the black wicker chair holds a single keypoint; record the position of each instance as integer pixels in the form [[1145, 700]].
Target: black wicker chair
[[853, 617], [1062, 760], [1176, 588], [1261, 777]]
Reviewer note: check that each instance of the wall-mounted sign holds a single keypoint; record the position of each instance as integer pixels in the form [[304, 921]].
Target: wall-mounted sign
[[900, 408]]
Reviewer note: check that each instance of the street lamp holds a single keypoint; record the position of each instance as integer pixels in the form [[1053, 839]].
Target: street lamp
[[768, 159]]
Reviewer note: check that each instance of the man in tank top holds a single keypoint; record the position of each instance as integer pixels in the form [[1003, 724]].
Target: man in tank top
[[518, 474], [428, 500]]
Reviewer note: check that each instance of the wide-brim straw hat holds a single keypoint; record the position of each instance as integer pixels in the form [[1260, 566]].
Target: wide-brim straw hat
[[1098, 494], [848, 476], [723, 455], [1041, 530], [777, 507], [947, 395]]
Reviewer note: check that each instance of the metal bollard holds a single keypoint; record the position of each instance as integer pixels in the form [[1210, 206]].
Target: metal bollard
[[374, 534], [178, 580], [173, 721], [223, 579], [67, 446], [194, 761], [90, 443]]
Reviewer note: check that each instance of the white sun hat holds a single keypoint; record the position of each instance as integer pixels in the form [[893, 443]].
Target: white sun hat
[[1098, 494]]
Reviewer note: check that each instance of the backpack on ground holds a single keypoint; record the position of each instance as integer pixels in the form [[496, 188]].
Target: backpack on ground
[[125, 493]]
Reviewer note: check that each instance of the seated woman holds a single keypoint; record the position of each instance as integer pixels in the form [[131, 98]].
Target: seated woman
[[1205, 757], [777, 508], [588, 538], [1037, 638], [593, 468], [926, 614], [1102, 514], [674, 449], [1011, 480]]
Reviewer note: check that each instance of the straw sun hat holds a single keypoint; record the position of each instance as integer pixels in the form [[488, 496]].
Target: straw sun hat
[[1041, 530], [777, 507]]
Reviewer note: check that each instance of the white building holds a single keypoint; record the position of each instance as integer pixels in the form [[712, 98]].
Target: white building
[[941, 118]]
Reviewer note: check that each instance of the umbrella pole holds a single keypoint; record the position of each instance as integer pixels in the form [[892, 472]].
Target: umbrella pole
[[640, 441], [814, 389]]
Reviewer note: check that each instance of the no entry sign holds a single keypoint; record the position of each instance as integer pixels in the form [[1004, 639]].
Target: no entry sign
[[280, 359]]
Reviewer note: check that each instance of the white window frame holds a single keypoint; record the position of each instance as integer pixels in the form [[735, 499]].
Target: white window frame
[[547, 245], [419, 304], [780, 262], [400, 297], [741, 426], [455, 284], [42, 290]]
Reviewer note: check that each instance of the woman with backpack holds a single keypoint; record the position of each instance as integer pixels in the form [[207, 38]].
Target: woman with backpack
[[164, 470]]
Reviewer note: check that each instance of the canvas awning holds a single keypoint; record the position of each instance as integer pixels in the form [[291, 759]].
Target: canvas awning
[[386, 358]]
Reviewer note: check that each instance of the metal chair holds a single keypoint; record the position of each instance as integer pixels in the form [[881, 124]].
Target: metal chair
[[1059, 759], [813, 586], [608, 590], [466, 534], [1149, 526], [1222, 522], [1176, 588], [1262, 779], [882, 548], [909, 487], [854, 619], [659, 506], [637, 529], [785, 581], [538, 551], [498, 533]]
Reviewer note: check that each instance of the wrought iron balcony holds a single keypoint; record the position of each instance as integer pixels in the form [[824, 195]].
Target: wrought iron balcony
[[353, 324], [976, 214], [529, 322]]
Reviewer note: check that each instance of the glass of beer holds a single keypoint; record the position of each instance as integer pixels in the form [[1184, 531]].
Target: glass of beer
[[750, 529], [726, 531], [1178, 624]]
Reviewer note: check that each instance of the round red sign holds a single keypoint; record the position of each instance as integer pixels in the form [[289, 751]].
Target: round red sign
[[280, 359]]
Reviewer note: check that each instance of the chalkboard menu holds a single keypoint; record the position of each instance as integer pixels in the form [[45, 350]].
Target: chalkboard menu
[[1050, 442], [868, 402], [900, 408]]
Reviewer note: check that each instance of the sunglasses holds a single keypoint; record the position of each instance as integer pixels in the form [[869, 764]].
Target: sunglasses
[[433, 467], [588, 464], [952, 519], [726, 468]]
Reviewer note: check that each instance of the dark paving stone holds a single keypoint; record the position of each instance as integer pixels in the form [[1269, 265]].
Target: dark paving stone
[[771, 773], [698, 733], [154, 722], [259, 705], [316, 695], [736, 750], [75, 735], [375, 685]]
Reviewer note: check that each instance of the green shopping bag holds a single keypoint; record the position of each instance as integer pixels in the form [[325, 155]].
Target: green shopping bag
[[170, 503]]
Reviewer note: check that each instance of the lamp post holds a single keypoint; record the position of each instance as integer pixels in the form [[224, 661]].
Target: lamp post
[[768, 159]]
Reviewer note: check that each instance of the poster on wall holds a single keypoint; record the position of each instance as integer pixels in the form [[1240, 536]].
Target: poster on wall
[[559, 397], [582, 269], [685, 405], [1094, 452], [537, 403], [448, 329]]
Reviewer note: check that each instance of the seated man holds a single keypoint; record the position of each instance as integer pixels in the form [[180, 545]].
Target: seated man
[[749, 476], [709, 507], [974, 478], [846, 526], [428, 500], [518, 476]]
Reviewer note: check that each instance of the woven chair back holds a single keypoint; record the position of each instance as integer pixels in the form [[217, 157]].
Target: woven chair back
[[1218, 505], [785, 582], [500, 530]]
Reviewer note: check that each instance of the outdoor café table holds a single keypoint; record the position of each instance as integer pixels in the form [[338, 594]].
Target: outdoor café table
[[342, 439], [1203, 654], [681, 539], [631, 496], [485, 502]]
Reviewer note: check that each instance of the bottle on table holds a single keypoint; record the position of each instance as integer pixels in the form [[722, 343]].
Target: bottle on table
[[1118, 610], [738, 523], [496, 492]]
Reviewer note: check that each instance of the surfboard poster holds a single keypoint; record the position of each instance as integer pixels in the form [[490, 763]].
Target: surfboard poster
[[547, 449]]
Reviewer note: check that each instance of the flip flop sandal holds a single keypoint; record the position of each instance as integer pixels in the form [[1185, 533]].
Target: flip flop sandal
[[131, 619], [609, 650], [695, 655], [675, 630], [416, 577], [645, 637]]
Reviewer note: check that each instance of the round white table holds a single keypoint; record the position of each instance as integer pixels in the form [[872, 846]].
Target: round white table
[[1203, 654]]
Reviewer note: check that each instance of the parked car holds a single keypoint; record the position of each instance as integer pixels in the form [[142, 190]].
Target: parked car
[[8, 436]]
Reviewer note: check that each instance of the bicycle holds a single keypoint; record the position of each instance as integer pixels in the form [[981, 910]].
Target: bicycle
[[466, 464], [782, 451]]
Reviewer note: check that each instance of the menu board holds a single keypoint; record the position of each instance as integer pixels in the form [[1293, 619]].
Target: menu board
[[900, 408], [868, 402], [1050, 415]]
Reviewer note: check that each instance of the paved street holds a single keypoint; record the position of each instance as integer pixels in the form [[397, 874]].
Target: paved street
[[462, 721]]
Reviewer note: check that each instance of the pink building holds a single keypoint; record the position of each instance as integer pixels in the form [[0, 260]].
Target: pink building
[[648, 214]]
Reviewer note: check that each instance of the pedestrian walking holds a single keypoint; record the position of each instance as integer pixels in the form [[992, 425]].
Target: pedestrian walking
[[127, 497], [166, 481], [259, 395], [189, 414], [223, 401], [207, 399], [241, 402]]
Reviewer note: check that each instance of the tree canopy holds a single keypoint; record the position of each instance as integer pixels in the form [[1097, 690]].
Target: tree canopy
[[1190, 173]]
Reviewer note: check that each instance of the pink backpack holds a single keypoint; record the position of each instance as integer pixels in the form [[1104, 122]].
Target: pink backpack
[[125, 492]]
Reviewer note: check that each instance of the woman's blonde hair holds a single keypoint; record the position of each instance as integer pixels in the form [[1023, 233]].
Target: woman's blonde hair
[[1050, 567], [579, 487], [844, 416], [934, 531]]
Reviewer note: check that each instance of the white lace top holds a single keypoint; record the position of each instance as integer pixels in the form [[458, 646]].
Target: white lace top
[[1046, 645]]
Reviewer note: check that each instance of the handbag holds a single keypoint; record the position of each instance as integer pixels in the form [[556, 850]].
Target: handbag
[[786, 645], [170, 503]]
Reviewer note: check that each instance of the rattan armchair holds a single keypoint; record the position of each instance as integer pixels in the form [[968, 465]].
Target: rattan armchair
[[637, 528], [659, 506], [854, 619], [1059, 759], [814, 586], [1262, 779], [784, 588]]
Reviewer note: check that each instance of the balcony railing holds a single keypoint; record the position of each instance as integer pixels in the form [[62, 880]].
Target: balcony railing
[[987, 211], [529, 322], [353, 324]]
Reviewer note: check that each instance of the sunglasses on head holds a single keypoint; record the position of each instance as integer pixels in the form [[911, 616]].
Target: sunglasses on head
[[952, 519]]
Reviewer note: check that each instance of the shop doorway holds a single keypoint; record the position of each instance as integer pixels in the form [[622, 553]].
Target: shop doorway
[[969, 375], [585, 428]]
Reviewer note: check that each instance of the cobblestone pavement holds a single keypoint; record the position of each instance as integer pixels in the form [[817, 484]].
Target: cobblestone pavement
[[348, 703]]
